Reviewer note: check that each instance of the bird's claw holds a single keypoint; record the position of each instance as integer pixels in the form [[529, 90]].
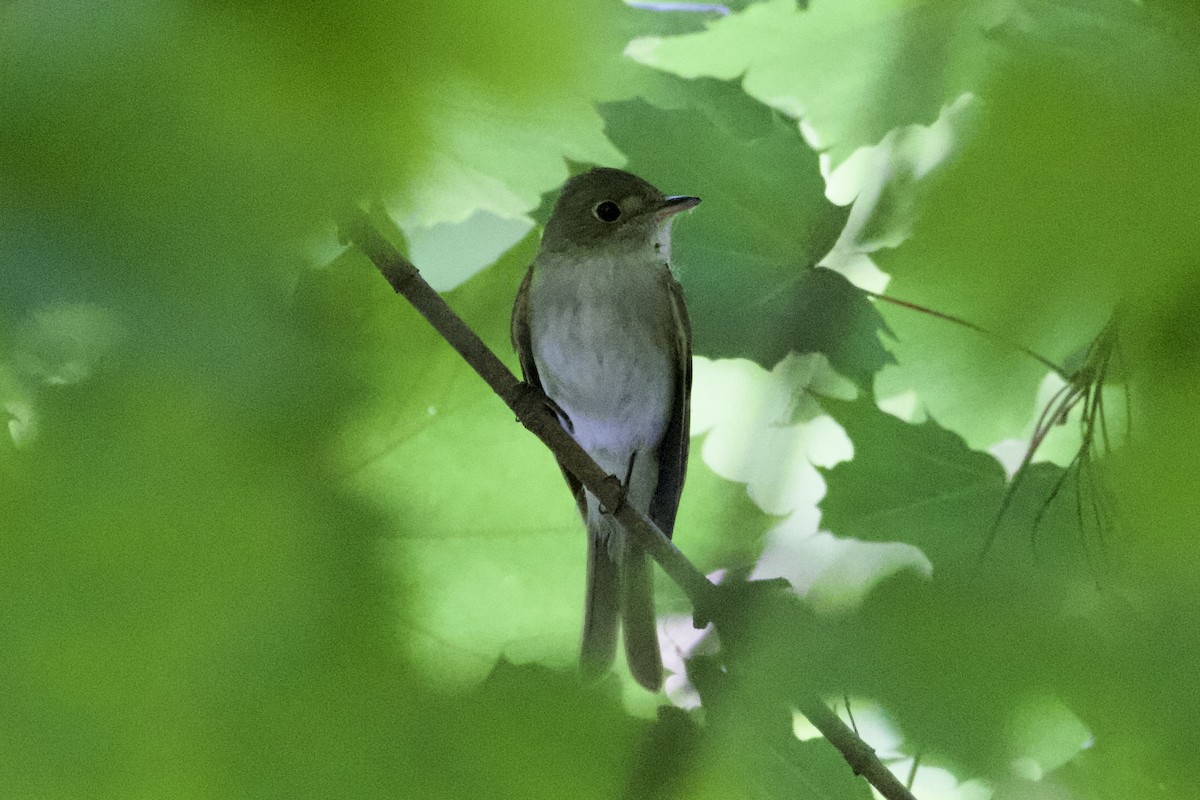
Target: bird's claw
[[622, 485], [623, 488]]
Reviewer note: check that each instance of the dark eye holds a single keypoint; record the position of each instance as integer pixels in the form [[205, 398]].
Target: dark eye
[[608, 211]]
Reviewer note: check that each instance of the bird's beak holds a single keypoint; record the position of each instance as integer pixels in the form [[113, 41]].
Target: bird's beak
[[673, 205]]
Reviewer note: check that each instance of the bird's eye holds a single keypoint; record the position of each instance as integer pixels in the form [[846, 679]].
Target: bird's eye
[[607, 211]]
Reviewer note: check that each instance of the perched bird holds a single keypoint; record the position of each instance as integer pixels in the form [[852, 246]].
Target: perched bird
[[600, 326]]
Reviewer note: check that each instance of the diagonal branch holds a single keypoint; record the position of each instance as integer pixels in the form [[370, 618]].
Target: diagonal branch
[[858, 754], [527, 403], [524, 400]]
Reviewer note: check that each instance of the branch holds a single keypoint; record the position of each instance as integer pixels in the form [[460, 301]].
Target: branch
[[858, 754], [527, 403]]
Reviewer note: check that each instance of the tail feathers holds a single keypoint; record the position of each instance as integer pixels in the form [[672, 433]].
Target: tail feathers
[[637, 616], [601, 609], [620, 589]]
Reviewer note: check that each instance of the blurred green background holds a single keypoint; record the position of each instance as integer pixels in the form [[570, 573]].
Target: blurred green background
[[262, 534]]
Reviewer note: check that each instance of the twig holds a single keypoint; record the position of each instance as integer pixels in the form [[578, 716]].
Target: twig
[[858, 754], [912, 773], [532, 412]]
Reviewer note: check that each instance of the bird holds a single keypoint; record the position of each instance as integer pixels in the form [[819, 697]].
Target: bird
[[601, 328]]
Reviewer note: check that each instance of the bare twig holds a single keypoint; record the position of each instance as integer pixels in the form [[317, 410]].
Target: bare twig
[[858, 754], [527, 403], [912, 773]]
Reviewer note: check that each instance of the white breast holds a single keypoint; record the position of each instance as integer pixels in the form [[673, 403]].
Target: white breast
[[603, 342]]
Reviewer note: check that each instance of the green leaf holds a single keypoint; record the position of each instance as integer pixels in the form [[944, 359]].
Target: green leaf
[[163, 530], [1098, 774], [498, 153], [495, 560], [538, 733], [751, 749], [745, 255], [834, 317], [192, 135], [1024, 232], [911, 483], [1023, 235], [921, 484], [991, 632], [852, 70]]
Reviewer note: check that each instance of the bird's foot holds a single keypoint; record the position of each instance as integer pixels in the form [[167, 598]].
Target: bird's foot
[[623, 485], [623, 488]]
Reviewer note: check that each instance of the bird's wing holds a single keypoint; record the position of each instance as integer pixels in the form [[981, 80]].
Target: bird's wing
[[522, 341], [673, 452], [521, 338]]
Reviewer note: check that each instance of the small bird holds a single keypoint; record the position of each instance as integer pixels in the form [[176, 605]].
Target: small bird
[[601, 328]]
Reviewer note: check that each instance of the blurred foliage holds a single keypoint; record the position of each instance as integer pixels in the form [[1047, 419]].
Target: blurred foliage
[[262, 533], [167, 126]]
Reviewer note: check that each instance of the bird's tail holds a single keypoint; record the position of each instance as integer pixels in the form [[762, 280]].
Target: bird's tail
[[602, 605], [620, 586], [637, 617]]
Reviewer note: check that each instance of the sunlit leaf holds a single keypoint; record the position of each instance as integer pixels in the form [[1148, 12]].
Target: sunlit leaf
[[852, 70]]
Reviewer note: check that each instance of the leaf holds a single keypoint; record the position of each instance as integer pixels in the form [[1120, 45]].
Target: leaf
[[988, 633], [1023, 234], [1096, 775], [921, 484], [208, 135], [912, 483], [497, 153], [538, 733], [834, 317], [851, 70], [745, 257], [495, 562], [751, 750], [163, 529]]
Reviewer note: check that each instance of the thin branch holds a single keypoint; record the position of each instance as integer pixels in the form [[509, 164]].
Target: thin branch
[[529, 406], [912, 773], [858, 754]]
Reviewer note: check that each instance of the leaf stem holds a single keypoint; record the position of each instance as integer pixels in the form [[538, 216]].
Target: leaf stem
[[1047, 363]]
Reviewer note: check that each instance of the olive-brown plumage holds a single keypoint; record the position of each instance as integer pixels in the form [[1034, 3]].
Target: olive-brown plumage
[[601, 327]]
